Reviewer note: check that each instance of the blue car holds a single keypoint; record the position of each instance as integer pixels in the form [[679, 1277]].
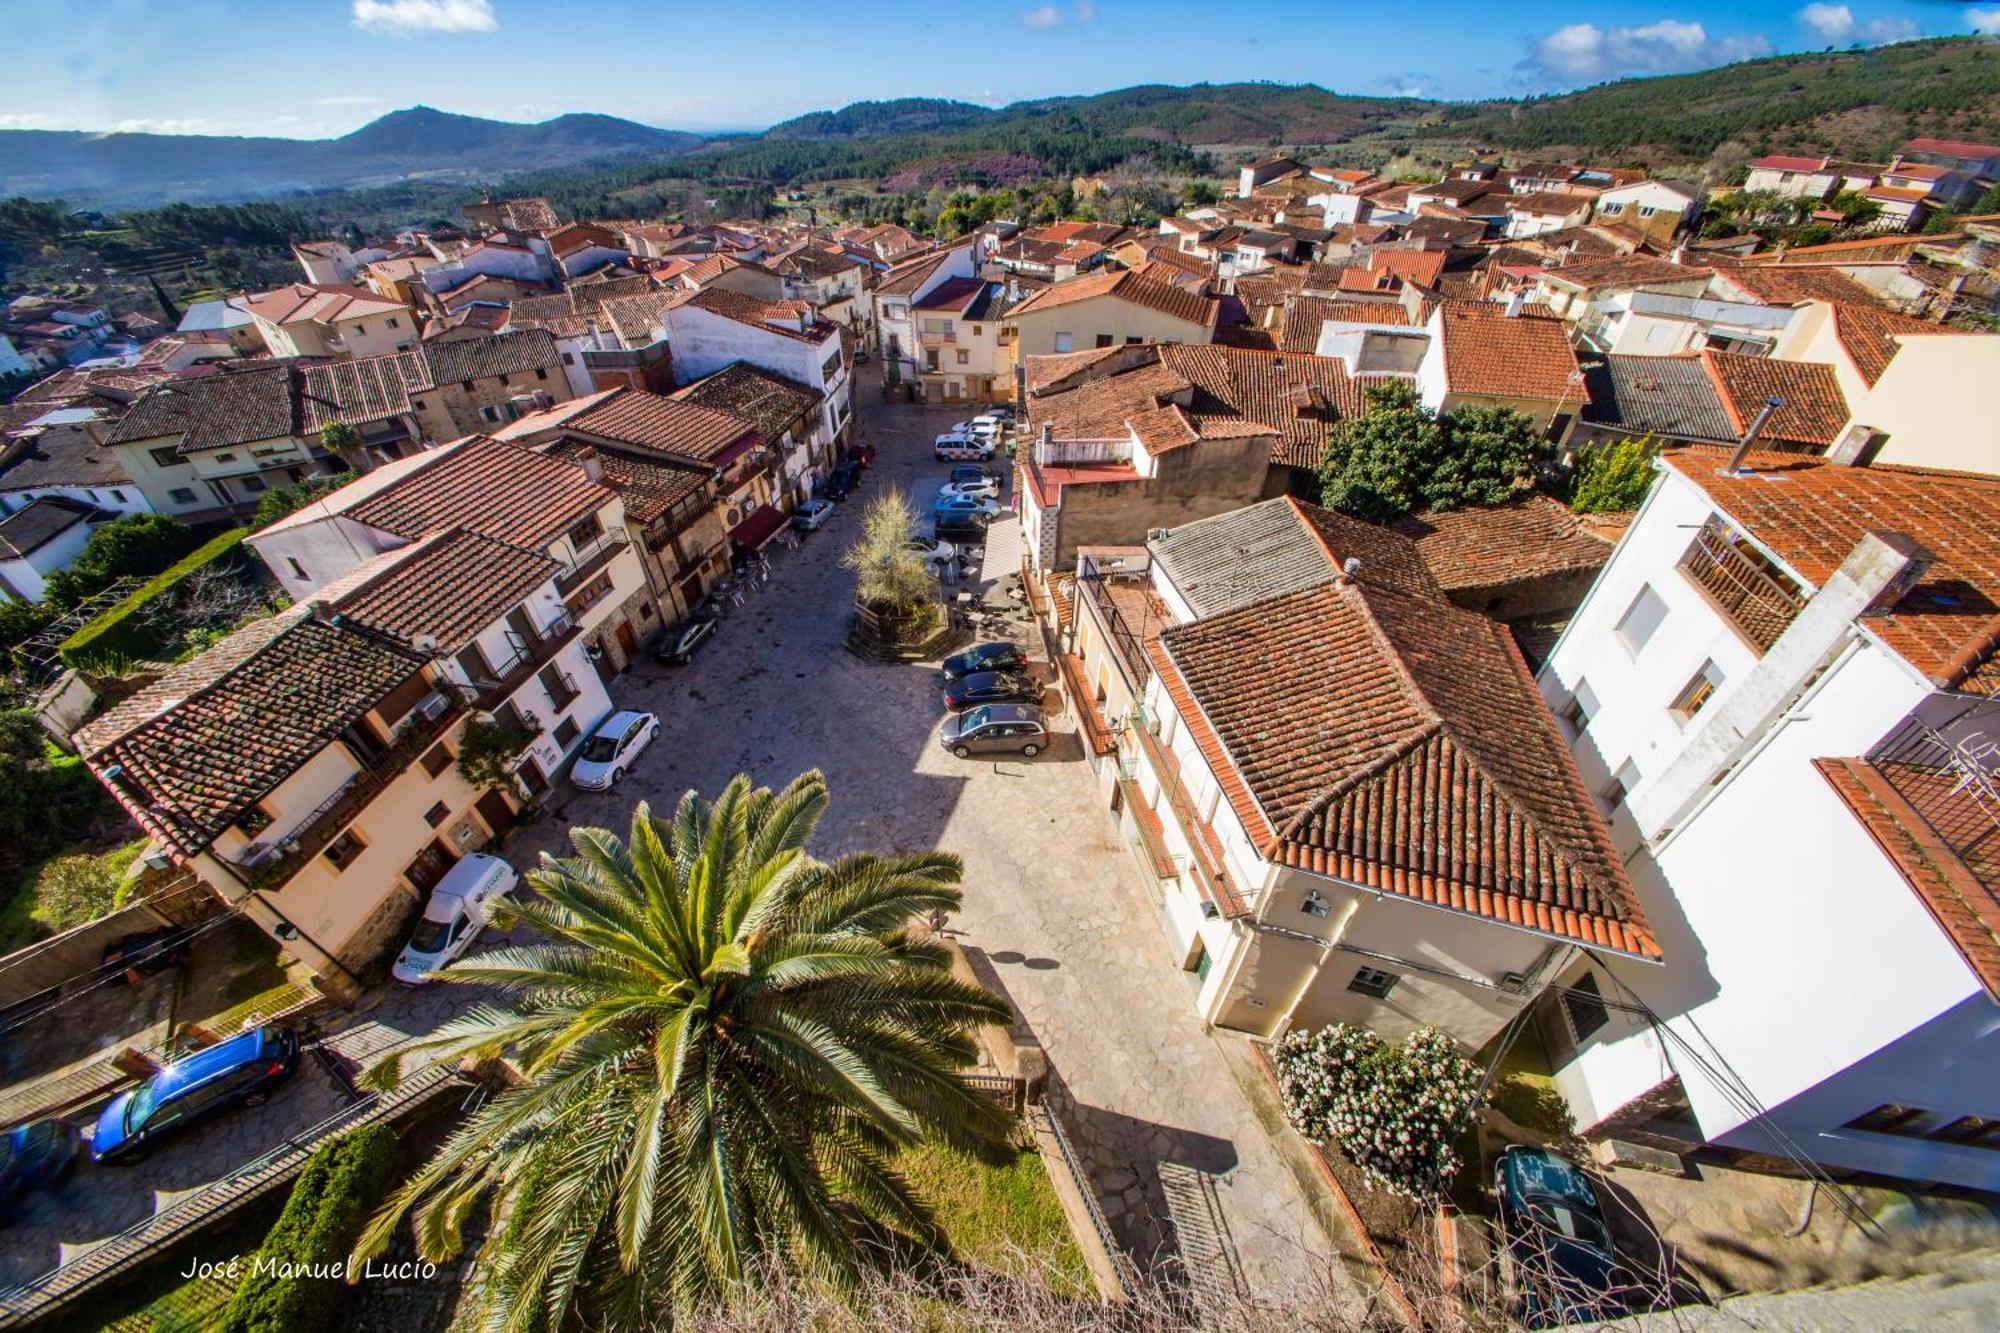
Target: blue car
[[34, 1156], [238, 1072], [1566, 1266]]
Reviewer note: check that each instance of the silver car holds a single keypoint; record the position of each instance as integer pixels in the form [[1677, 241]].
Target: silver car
[[995, 728]]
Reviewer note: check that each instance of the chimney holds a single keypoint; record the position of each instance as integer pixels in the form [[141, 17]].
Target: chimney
[[1515, 300], [1350, 570], [1856, 447], [592, 465], [1750, 436]]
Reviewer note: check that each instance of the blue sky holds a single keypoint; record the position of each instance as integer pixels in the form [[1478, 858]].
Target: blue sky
[[307, 68]]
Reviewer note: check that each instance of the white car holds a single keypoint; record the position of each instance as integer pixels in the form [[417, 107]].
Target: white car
[[978, 428], [812, 514], [459, 908], [933, 552], [956, 448], [614, 743], [984, 488]]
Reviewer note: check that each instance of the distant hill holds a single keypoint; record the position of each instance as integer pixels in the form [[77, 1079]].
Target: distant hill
[[122, 170], [860, 120]]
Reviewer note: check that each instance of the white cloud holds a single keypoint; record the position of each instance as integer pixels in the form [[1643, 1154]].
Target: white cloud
[[405, 18], [1836, 26], [1986, 20], [1047, 18], [26, 120], [1586, 53]]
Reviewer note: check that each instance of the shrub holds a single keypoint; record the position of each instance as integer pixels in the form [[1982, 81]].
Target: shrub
[[1613, 478], [71, 890], [288, 499], [292, 1278], [892, 577], [47, 797], [133, 546], [487, 749], [1396, 1111], [1399, 457], [130, 629], [21, 621]]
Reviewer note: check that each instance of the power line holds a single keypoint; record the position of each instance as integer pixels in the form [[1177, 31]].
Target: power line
[[117, 970]]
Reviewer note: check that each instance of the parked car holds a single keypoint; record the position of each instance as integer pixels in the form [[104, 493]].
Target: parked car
[[36, 1155], [241, 1071], [974, 472], [933, 552], [994, 656], [978, 428], [991, 687], [614, 743], [844, 478], [957, 448], [979, 489], [993, 728], [967, 532], [1566, 1268], [812, 515], [146, 953], [459, 908], [675, 644], [954, 506]]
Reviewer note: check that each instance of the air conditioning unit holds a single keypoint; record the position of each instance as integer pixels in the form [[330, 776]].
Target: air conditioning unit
[[433, 706]]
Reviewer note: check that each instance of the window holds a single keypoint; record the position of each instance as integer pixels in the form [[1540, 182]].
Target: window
[[343, 849], [540, 373], [565, 732], [585, 531], [1373, 982], [569, 359], [489, 414], [964, 357], [298, 570], [359, 327], [418, 404], [118, 497], [465, 385], [1621, 785], [1974, 1129], [1641, 619], [1697, 691], [1132, 341], [166, 455], [437, 814], [254, 484], [1104, 340], [1581, 708], [393, 324], [1583, 1005], [437, 759], [181, 495], [254, 821], [225, 458], [975, 330], [1064, 342]]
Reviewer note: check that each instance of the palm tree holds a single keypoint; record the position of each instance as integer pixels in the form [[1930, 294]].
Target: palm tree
[[725, 1043]]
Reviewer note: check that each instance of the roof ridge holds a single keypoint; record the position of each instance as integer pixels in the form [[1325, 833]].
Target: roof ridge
[[1423, 735]]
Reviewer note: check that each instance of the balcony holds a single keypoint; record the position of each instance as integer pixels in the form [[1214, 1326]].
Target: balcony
[[530, 656], [592, 557], [937, 337], [270, 864], [1074, 453], [1210, 877], [1952, 787], [1752, 594], [1130, 613]]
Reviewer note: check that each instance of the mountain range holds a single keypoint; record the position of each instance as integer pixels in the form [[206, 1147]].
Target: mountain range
[[1856, 103]]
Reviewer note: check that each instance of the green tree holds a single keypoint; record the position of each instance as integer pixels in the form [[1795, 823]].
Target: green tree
[[47, 797], [1399, 457], [1988, 202], [1613, 478], [1196, 194], [289, 499], [892, 576], [134, 546], [724, 1042]]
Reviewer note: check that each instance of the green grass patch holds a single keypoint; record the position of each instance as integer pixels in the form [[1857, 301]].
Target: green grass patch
[[65, 890], [994, 1215], [124, 631]]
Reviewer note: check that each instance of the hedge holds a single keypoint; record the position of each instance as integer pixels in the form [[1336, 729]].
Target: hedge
[[124, 631], [295, 1274]]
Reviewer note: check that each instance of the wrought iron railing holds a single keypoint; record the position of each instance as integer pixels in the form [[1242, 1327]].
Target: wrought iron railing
[[1127, 640], [591, 557], [1950, 781], [1759, 601]]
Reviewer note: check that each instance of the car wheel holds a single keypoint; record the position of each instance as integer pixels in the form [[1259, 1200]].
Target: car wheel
[[1030, 751], [257, 1099], [617, 776], [962, 752]]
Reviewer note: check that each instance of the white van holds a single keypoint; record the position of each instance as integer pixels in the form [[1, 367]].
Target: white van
[[459, 908]]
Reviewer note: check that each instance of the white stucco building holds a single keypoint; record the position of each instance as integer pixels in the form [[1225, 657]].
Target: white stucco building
[[1779, 696]]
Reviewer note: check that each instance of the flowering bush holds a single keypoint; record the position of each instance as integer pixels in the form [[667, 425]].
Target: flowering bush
[[1396, 1111]]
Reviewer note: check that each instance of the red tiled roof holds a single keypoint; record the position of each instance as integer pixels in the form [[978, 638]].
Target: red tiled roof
[[448, 587], [1778, 162], [1810, 513], [1487, 352], [1398, 743], [1125, 286], [1868, 333], [791, 319], [1495, 545], [1951, 148], [498, 489], [1812, 409], [321, 304], [669, 425]]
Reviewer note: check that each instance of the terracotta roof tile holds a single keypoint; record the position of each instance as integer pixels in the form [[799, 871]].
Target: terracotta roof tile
[[1812, 409], [1810, 513], [1124, 285], [1492, 546], [447, 587], [1305, 314], [1868, 333], [1396, 742], [498, 489], [1488, 353]]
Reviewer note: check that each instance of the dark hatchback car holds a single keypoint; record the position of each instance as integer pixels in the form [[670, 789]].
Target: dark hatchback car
[[843, 479], [34, 1156], [676, 644], [1566, 1266], [995, 728], [973, 472], [241, 1071], [984, 657], [991, 687]]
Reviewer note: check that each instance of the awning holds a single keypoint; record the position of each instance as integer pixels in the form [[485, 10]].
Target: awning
[[755, 532]]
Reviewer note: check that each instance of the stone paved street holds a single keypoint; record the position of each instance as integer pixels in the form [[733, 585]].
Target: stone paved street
[[1053, 903]]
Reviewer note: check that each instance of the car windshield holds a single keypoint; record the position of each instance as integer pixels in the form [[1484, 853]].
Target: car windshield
[[1562, 1218], [975, 718], [600, 749], [430, 937], [144, 1102]]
